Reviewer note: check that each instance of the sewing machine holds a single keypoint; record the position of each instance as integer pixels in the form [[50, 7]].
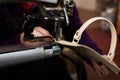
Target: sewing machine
[[56, 12], [61, 9]]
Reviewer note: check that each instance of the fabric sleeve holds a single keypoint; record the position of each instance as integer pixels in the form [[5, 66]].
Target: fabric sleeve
[[75, 24]]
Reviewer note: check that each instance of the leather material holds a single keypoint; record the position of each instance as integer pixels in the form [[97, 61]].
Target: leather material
[[89, 52]]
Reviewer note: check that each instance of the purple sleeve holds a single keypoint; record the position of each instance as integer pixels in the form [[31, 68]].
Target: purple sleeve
[[75, 24]]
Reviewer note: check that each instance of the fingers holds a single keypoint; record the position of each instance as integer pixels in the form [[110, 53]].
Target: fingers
[[101, 69], [39, 31], [105, 70], [33, 44], [97, 68]]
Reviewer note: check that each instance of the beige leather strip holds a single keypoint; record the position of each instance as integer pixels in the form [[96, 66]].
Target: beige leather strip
[[79, 32]]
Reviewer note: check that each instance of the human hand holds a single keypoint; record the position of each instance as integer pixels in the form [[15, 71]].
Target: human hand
[[37, 32], [100, 68]]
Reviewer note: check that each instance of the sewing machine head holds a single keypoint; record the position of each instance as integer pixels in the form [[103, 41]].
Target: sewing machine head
[[54, 10]]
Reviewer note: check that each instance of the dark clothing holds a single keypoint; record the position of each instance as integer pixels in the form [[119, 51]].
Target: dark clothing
[[10, 24], [51, 68]]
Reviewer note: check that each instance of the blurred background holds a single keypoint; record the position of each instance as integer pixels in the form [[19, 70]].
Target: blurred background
[[99, 31]]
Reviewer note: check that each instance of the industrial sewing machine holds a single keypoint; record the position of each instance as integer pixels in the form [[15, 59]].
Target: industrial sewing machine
[[55, 10]]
